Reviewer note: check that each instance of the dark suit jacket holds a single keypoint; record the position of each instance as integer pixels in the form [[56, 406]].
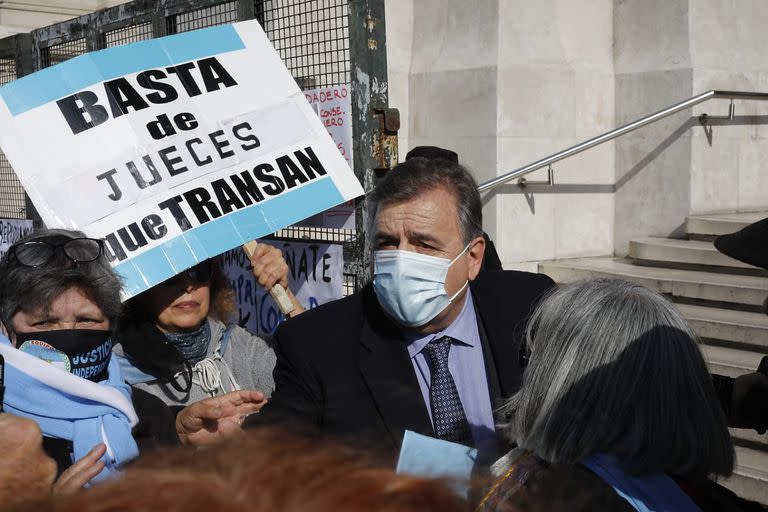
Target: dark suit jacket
[[344, 367]]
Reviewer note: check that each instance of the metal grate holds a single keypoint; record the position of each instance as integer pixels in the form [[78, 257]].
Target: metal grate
[[60, 52], [7, 70], [311, 36], [206, 17], [11, 192], [129, 34]]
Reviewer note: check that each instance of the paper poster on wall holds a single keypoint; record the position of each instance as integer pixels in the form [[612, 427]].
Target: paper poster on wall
[[11, 230], [315, 277], [173, 150], [333, 106]]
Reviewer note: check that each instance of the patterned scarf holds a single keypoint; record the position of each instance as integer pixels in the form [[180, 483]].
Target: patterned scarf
[[192, 345]]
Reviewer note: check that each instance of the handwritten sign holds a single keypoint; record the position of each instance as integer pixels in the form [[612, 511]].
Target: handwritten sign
[[173, 150], [315, 277], [333, 106], [11, 230]]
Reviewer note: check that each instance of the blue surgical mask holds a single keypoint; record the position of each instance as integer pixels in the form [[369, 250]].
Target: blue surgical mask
[[411, 286]]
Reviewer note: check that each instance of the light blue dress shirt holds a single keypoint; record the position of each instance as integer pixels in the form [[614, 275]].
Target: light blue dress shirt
[[467, 366]]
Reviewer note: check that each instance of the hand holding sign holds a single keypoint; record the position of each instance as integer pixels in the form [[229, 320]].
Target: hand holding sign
[[271, 272]]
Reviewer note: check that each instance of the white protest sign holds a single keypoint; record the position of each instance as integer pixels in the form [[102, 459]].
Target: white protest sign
[[11, 230], [333, 106], [315, 277], [173, 150]]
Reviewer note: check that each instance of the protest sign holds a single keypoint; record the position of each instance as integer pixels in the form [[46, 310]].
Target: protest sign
[[315, 277], [12, 230], [333, 106], [173, 150]]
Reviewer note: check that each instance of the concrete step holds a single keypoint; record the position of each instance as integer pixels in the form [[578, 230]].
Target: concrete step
[[712, 225], [730, 361], [750, 438], [742, 327], [675, 253], [683, 284], [749, 480]]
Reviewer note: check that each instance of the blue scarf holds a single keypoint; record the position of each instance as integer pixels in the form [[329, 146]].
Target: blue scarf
[[654, 492], [192, 345], [72, 408]]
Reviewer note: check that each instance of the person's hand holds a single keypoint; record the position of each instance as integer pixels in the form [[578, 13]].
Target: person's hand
[[80, 473], [214, 419], [749, 403], [269, 266], [269, 269], [26, 472]]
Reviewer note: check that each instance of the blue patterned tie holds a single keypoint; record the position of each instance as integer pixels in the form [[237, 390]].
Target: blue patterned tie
[[447, 412]]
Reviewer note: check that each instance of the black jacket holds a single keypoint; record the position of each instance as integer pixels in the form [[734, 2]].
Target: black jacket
[[344, 367]]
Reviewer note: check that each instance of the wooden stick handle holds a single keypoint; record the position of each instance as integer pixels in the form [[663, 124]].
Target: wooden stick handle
[[277, 292]]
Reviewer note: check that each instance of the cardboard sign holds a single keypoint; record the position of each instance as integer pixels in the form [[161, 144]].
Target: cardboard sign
[[316, 274], [11, 230], [173, 150], [333, 106]]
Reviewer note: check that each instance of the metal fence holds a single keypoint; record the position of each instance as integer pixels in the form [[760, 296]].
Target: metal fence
[[320, 41]]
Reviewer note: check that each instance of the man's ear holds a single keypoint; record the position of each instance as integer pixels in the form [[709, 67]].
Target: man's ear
[[6, 332], [475, 255]]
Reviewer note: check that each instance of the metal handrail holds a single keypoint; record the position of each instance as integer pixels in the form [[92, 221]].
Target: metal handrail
[[634, 125]]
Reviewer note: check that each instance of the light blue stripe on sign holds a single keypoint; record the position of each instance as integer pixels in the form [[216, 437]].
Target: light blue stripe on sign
[[216, 236], [76, 74]]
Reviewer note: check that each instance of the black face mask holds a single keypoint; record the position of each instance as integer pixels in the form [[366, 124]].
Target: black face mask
[[82, 352]]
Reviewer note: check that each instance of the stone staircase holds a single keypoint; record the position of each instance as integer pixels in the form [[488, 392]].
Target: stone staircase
[[721, 297]]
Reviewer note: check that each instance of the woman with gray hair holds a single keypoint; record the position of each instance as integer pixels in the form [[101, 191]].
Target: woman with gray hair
[[617, 410], [59, 299]]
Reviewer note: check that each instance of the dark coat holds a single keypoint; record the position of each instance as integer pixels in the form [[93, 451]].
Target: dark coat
[[344, 367]]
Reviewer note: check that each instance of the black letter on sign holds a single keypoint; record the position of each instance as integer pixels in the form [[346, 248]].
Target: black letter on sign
[[170, 162], [220, 144], [245, 138], [197, 160], [225, 196], [276, 184], [185, 121], [199, 200], [213, 74], [172, 204], [116, 192], [247, 188], [130, 244], [122, 95], [310, 163], [290, 171], [154, 227], [185, 77], [112, 249], [74, 108], [161, 128], [148, 80], [140, 181]]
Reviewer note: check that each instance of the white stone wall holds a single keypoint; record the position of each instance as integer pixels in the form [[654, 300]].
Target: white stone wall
[[506, 82]]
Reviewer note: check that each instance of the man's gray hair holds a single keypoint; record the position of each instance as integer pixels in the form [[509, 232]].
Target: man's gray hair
[[415, 176], [615, 368], [31, 289]]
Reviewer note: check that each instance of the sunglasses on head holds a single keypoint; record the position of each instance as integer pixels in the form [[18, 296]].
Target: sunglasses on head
[[35, 253], [199, 274]]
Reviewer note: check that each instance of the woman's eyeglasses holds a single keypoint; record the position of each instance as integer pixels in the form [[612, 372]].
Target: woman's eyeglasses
[[199, 274], [39, 252]]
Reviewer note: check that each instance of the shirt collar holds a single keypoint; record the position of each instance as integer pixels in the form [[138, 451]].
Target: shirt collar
[[458, 329]]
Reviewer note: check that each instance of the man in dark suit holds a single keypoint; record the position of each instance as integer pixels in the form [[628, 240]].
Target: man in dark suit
[[428, 346]]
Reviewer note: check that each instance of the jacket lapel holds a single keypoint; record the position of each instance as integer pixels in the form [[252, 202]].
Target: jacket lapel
[[388, 372]]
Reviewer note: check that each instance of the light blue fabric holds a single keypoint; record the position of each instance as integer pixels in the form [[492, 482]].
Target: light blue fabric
[[655, 492], [62, 415]]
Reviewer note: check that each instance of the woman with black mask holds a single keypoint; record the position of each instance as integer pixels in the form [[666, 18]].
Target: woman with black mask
[[59, 300]]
